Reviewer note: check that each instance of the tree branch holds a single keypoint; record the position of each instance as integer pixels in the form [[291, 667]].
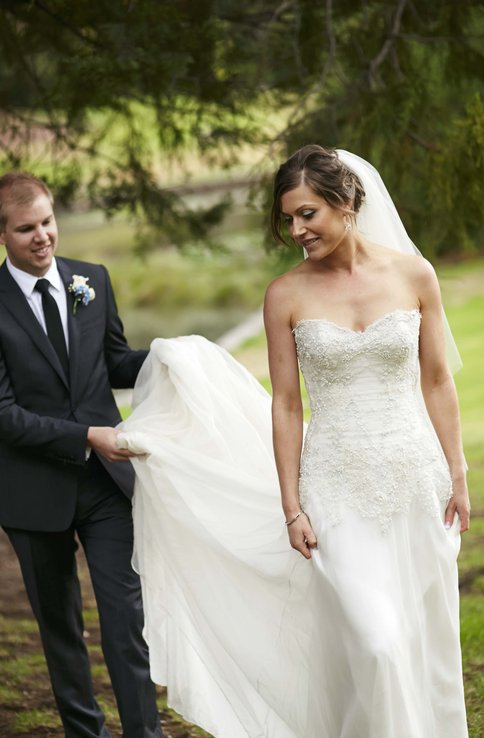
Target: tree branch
[[300, 110], [332, 43], [378, 60], [421, 142], [278, 12], [62, 22], [445, 39]]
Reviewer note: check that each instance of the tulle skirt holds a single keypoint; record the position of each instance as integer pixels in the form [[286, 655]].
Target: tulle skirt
[[252, 640]]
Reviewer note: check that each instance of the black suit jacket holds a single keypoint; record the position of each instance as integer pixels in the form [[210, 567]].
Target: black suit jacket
[[44, 415]]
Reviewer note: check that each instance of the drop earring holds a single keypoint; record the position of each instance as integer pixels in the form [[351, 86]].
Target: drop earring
[[348, 226]]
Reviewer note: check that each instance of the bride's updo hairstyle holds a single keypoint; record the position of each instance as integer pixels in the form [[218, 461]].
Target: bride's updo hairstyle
[[327, 176]]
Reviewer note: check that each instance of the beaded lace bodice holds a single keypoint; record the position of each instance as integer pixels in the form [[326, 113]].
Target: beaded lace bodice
[[370, 444]]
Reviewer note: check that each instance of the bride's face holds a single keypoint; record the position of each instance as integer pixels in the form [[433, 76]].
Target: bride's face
[[312, 222]]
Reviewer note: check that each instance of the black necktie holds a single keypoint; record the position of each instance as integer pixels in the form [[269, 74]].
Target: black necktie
[[53, 323]]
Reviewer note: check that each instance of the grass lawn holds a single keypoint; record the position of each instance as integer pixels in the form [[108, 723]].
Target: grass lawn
[[463, 289]]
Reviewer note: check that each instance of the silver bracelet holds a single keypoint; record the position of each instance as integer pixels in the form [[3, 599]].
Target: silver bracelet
[[290, 522]]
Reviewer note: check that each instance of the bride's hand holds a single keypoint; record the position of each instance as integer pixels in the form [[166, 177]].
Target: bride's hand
[[459, 503], [301, 536]]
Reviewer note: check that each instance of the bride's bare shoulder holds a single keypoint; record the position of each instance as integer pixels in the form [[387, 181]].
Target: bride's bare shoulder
[[415, 267], [414, 270], [281, 293], [411, 265], [287, 282]]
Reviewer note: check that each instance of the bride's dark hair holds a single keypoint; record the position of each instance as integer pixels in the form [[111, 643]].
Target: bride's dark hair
[[324, 173]]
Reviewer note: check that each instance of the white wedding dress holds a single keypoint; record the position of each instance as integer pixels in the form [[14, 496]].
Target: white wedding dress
[[252, 640]]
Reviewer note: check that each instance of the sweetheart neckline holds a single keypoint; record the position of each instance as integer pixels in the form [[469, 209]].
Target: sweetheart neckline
[[347, 329]]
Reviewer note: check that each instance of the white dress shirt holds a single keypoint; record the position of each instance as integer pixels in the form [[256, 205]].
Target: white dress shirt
[[27, 283]]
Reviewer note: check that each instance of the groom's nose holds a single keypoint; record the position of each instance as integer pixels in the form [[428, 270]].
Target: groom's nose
[[41, 234]]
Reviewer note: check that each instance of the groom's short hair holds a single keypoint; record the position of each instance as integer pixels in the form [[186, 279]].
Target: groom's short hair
[[20, 188]]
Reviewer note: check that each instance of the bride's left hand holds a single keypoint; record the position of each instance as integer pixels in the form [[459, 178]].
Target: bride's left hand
[[459, 503], [301, 536]]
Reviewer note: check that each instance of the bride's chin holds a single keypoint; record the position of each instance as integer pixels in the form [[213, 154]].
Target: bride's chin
[[315, 255]]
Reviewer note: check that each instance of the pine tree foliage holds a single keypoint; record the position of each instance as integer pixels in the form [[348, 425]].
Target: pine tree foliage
[[97, 97]]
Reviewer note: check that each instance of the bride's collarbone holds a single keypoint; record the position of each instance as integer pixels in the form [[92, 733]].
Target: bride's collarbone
[[354, 317], [354, 305]]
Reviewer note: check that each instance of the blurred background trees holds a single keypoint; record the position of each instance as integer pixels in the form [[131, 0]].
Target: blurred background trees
[[100, 97], [152, 111]]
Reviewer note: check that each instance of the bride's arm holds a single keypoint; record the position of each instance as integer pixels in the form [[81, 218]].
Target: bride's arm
[[287, 414], [439, 391]]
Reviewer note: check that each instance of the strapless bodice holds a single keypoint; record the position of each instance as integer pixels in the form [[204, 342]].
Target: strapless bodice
[[370, 443]]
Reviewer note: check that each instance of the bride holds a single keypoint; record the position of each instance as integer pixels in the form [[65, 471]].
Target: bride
[[359, 636]]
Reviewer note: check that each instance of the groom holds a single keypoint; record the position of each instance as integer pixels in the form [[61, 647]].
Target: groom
[[62, 348]]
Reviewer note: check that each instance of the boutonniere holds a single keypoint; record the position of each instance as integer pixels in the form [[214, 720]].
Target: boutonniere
[[83, 294]]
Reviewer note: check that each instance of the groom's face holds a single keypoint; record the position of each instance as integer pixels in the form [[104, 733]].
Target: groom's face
[[30, 234]]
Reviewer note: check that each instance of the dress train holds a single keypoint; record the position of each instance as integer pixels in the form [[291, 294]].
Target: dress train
[[252, 640]]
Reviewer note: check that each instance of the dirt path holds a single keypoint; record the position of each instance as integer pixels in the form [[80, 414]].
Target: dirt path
[[26, 702]]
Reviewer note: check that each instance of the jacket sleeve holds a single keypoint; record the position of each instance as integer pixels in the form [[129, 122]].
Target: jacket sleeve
[[59, 439], [123, 363]]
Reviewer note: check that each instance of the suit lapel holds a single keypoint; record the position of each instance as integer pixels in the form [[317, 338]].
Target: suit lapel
[[12, 297]]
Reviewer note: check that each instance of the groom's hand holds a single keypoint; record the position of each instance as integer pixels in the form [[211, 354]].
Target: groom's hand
[[103, 441]]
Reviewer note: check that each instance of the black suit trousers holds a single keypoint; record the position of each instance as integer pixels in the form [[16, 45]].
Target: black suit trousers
[[103, 523]]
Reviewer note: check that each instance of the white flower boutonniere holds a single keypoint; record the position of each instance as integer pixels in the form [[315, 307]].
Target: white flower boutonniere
[[83, 294]]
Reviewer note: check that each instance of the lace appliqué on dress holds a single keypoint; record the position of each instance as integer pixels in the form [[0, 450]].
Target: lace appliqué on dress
[[370, 444]]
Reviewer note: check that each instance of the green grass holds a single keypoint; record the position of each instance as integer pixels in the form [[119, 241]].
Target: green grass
[[28, 721], [25, 693], [472, 612], [464, 295]]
